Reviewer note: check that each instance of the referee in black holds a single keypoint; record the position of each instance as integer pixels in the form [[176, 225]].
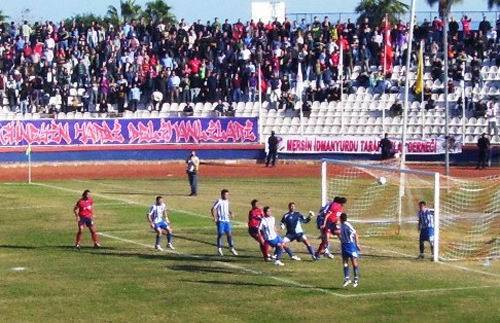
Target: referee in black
[[483, 145], [272, 144]]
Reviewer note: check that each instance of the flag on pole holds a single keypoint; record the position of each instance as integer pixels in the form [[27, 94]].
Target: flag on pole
[[299, 88], [28, 150], [341, 60], [388, 52], [419, 85]]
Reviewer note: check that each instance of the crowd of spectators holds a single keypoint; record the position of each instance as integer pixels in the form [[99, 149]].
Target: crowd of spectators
[[140, 65]]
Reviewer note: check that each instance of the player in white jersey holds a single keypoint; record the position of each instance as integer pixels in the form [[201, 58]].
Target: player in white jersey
[[222, 215], [350, 249], [158, 220], [268, 229]]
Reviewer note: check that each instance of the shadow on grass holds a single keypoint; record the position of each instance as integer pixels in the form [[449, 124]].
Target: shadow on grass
[[162, 256], [205, 269], [177, 236], [254, 284]]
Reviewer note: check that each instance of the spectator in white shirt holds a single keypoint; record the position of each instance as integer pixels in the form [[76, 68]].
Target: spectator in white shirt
[[491, 114]]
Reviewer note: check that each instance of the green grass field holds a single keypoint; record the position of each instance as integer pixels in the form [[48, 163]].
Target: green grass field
[[128, 281]]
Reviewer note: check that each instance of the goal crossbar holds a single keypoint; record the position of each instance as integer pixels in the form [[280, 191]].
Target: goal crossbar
[[379, 167]]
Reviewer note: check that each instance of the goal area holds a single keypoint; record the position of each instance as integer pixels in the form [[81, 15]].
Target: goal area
[[382, 201]]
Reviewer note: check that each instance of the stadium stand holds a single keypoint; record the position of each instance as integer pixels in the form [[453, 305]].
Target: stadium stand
[[141, 70]]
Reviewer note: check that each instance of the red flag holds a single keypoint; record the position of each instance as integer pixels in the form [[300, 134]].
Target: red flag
[[388, 54], [387, 32]]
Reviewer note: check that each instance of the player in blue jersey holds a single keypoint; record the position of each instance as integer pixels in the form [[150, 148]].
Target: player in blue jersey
[[158, 220], [425, 227], [222, 215], [268, 228], [292, 221], [350, 249]]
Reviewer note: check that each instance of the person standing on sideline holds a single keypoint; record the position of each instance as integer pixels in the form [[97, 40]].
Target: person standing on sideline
[[84, 214], [193, 164], [222, 215], [483, 144], [425, 227], [385, 147], [272, 143]]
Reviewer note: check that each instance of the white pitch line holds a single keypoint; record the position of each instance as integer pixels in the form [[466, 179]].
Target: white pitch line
[[229, 265], [477, 271], [418, 291]]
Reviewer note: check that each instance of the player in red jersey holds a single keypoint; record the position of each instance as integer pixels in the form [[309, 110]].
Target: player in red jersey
[[329, 226], [84, 215], [254, 218]]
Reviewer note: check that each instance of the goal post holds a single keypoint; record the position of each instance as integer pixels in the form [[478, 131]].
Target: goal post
[[382, 199], [437, 212]]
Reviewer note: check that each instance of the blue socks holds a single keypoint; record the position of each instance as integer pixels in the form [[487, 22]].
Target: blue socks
[[356, 273], [346, 271], [158, 240], [170, 237], [311, 251], [229, 241], [288, 251], [278, 252]]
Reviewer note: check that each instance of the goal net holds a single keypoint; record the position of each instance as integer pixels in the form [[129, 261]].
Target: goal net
[[382, 201]]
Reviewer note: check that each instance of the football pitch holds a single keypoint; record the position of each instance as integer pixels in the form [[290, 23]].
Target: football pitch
[[43, 278]]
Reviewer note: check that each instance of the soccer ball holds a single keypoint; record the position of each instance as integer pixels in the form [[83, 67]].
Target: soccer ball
[[382, 180]]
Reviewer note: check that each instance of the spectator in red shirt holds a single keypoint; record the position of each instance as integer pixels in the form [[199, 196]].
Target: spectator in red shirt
[[194, 65], [84, 215], [466, 25]]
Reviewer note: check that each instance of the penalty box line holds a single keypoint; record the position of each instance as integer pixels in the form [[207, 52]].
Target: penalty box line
[[287, 281]]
